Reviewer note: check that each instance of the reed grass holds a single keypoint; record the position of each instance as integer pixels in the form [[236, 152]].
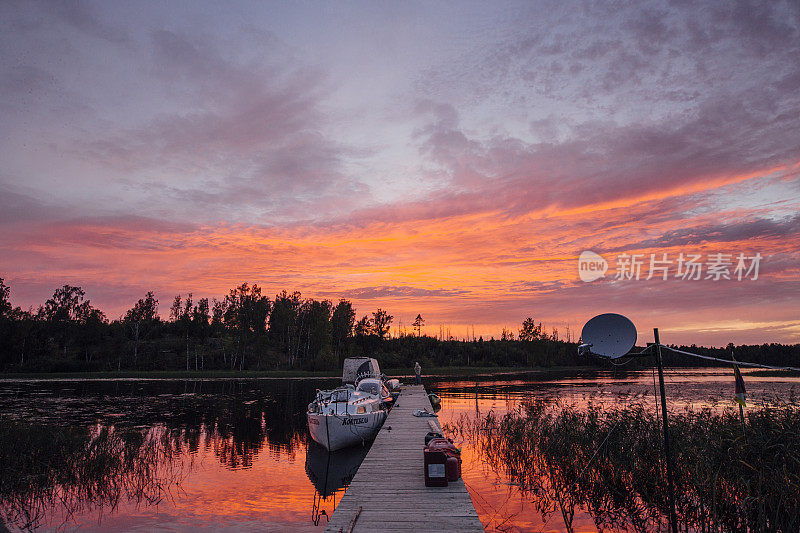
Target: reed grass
[[44, 468], [729, 477]]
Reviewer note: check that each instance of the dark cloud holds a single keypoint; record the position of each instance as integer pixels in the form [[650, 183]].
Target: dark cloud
[[21, 80], [605, 161], [643, 301], [84, 18], [27, 220], [738, 231], [255, 128], [32, 15], [622, 59], [18, 205]]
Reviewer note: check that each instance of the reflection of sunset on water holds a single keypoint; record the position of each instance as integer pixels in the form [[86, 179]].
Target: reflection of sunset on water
[[233, 453], [239, 448], [500, 504], [272, 494]]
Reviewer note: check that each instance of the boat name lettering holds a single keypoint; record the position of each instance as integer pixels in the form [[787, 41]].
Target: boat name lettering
[[352, 421]]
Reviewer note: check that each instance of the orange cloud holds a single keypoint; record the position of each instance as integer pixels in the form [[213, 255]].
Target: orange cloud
[[482, 271]]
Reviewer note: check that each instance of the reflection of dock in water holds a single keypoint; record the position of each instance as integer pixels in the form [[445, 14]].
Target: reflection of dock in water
[[389, 487], [331, 472]]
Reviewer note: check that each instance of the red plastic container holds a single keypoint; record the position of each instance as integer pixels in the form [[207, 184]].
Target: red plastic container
[[452, 458], [435, 468], [453, 467], [442, 444]]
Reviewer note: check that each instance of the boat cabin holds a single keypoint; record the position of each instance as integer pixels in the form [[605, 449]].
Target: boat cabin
[[356, 368]]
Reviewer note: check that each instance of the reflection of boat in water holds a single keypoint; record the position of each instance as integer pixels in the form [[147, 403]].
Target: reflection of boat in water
[[330, 472], [353, 413]]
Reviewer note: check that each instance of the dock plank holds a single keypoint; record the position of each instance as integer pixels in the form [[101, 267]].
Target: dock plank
[[390, 483]]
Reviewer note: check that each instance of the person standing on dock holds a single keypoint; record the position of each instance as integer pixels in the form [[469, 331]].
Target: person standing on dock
[[418, 372]]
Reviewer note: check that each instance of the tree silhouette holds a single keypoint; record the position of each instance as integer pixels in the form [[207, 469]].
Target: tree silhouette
[[5, 303], [317, 334], [181, 315], [363, 327], [284, 323], [67, 334], [381, 321], [530, 330], [66, 305], [65, 312], [142, 316], [6, 323], [418, 323], [342, 322], [246, 313], [201, 328]]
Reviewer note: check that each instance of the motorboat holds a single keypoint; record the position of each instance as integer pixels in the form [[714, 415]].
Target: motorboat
[[354, 412]]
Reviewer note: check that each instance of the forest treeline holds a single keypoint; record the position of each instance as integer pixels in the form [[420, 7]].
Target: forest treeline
[[247, 330]]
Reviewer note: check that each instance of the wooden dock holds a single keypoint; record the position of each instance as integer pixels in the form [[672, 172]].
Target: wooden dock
[[389, 486]]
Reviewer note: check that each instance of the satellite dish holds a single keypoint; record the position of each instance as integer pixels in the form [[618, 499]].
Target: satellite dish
[[608, 335]]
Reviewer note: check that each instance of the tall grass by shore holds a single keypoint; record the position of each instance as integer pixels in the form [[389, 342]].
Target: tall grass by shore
[[44, 468], [729, 477]]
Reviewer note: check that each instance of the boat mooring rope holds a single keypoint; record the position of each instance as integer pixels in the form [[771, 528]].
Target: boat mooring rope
[[730, 361]]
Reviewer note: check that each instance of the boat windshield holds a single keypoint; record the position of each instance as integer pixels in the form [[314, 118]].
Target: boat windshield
[[370, 387], [340, 395]]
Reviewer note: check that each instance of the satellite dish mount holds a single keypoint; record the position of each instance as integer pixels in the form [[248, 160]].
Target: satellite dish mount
[[612, 336]]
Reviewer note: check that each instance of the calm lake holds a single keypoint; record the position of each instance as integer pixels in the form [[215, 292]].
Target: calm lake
[[233, 454]]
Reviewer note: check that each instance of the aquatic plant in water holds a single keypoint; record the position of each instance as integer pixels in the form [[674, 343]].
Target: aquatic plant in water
[[607, 462], [43, 468]]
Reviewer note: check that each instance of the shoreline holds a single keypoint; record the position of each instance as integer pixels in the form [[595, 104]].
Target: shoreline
[[435, 372]]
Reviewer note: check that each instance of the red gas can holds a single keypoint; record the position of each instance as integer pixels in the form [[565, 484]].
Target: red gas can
[[452, 457], [440, 443], [435, 468], [453, 467]]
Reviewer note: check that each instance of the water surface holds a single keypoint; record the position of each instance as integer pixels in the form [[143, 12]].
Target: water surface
[[234, 454]]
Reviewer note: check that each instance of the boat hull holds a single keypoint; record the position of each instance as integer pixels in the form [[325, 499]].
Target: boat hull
[[335, 432]]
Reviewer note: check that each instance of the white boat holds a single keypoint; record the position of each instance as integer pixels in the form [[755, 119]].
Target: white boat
[[353, 413]]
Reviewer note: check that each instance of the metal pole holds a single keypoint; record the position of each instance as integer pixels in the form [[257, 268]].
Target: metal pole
[[672, 517], [741, 416], [741, 410]]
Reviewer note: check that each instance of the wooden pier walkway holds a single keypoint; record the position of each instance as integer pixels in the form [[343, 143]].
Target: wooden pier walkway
[[390, 483]]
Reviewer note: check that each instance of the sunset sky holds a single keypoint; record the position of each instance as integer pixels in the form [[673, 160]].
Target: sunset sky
[[445, 158]]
